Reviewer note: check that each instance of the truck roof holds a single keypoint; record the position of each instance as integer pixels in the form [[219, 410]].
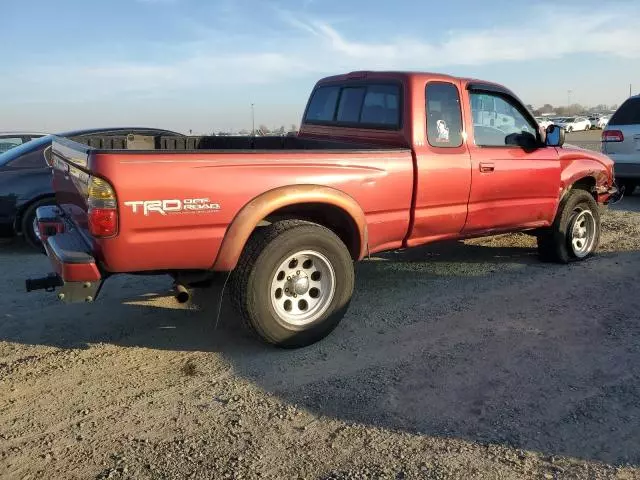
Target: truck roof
[[393, 74]]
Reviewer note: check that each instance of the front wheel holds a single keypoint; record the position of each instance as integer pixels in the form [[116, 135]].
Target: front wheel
[[575, 232], [629, 187], [293, 283]]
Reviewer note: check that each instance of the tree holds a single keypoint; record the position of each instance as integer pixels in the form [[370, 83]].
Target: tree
[[293, 128], [263, 129], [547, 108], [280, 131], [529, 107]]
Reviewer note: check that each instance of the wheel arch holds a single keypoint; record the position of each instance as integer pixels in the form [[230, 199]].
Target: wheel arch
[[22, 209], [326, 206]]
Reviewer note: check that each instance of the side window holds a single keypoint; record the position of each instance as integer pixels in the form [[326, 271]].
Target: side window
[[495, 118], [350, 104], [323, 104], [444, 117], [7, 143]]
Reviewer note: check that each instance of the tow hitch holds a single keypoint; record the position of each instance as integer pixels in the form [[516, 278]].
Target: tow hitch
[[48, 283], [70, 292]]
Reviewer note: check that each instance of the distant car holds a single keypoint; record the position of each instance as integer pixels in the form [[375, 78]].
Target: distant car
[[621, 142], [575, 124], [603, 122], [594, 120], [544, 122], [9, 140], [25, 176]]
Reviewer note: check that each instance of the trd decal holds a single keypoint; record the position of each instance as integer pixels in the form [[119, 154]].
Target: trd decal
[[166, 207]]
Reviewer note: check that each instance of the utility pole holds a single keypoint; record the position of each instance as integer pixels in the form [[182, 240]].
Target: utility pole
[[630, 94], [569, 98], [253, 121]]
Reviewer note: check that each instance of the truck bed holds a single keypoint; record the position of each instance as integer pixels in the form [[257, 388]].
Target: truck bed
[[185, 144], [232, 174]]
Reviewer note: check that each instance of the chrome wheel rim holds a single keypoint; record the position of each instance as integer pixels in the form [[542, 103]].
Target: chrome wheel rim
[[302, 287], [36, 230], [583, 233]]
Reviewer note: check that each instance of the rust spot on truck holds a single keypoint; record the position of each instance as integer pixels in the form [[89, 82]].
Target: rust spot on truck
[[262, 206]]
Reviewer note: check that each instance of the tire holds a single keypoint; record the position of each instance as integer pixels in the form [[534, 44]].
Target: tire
[[27, 223], [267, 277], [629, 187], [575, 232]]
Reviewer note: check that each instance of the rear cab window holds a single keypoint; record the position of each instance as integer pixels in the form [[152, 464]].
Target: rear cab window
[[628, 113], [363, 105]]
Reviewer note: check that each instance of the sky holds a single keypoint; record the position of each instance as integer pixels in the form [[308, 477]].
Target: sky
[[199, 64]]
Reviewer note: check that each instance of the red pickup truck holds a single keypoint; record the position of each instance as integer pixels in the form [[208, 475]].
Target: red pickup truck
[[383, 160]]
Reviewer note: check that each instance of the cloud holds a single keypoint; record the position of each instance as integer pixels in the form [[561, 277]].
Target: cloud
[[310, 47], [545, 36]]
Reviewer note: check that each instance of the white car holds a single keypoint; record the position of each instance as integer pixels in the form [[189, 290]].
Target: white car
[[575, 124], [544, 122], [603, 122]]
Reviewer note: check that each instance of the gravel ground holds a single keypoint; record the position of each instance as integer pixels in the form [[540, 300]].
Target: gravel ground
[[467, 361]]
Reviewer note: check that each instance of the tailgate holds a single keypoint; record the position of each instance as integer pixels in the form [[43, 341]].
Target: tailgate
[[71, 178]]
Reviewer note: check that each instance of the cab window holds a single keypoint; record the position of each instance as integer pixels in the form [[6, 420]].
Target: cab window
[[444, 116], [495, 118]]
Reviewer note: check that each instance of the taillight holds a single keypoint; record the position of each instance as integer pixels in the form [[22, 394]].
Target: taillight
[[103, 208], [612, 136]]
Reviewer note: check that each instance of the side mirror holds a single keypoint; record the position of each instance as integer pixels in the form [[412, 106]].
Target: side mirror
[[555, 136], [524, 139]]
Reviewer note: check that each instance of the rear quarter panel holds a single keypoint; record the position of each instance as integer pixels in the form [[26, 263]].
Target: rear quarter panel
[[379, 181]]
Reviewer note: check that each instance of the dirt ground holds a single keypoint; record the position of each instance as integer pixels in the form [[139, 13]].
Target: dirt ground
[[467, 361]]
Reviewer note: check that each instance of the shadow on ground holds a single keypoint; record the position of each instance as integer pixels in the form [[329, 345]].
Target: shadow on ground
[[481, 343]]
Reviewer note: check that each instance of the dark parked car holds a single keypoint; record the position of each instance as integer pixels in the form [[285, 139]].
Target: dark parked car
[[9, 140], [25, 174]]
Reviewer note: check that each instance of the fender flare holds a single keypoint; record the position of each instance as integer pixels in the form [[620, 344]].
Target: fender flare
[[249, 216]]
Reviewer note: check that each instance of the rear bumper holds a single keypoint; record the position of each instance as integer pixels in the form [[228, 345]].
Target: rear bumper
[[75, 270]]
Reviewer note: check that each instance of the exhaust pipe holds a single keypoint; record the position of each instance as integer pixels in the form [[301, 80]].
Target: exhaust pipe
[[182, 293], [48, 283]]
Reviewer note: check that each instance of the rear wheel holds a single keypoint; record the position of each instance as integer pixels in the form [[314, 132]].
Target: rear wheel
[[293, 283], [29, 225], [575, 232]]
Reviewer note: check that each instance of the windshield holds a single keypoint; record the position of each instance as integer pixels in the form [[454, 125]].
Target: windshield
[[31, 146], [569, 120]]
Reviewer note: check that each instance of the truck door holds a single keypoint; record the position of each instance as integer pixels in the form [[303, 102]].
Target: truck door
[[514, 183], [443, 175]]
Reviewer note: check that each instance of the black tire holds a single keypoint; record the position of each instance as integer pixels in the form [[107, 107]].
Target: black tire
[[28, 218], [261, 259], [629, 187], [554, 243]]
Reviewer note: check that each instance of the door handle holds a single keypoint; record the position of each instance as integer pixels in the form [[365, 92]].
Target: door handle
[[487, 167]]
